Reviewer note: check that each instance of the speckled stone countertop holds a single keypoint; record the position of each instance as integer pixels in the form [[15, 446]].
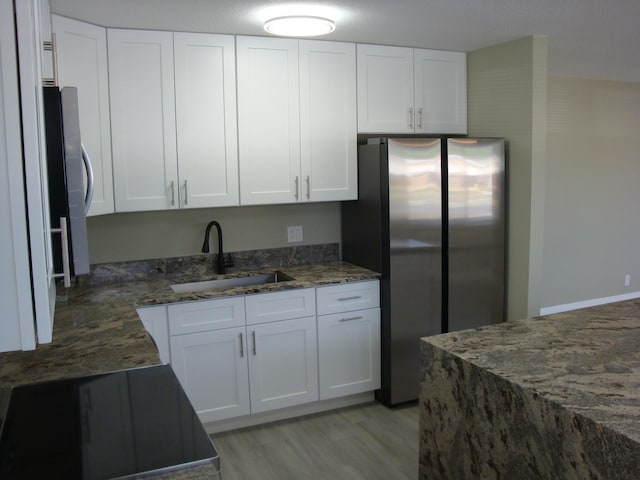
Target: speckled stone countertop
[[96, 328], [549, 397]]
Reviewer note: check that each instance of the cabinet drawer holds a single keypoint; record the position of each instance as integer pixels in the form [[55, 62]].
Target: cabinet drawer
[[348, 296], [271, 307], [203, 315]]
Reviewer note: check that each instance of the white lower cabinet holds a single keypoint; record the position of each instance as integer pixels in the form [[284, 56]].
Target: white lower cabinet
[[250, 354], [283, 364], [348, 338], [212, 368]]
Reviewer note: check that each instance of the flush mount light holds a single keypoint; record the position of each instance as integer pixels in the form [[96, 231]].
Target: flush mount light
[[299, 26]]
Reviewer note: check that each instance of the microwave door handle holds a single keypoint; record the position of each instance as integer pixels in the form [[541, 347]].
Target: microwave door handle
[[87, 165]]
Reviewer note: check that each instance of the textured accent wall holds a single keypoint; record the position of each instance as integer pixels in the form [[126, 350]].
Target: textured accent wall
[[174, 233], [507, 98], [593, 178]]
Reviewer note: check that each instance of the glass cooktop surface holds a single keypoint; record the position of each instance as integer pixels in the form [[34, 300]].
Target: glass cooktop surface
[[128, 424]]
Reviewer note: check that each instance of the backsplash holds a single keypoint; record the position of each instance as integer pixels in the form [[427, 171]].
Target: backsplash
[[204, 265]]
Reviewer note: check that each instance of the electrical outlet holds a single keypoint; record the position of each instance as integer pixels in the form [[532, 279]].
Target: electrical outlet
[[627, 280], [294, 234]]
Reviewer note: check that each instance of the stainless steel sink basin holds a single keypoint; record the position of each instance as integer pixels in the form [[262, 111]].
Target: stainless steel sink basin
[[261, 279]]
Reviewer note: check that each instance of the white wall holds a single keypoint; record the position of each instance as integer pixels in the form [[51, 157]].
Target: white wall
[[137, 236], [592, 225]]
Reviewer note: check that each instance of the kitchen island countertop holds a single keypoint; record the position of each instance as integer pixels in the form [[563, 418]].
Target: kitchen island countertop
[[96, 327], [549, 397]]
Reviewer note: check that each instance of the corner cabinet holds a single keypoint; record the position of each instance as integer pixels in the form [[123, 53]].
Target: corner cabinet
[[296, 120], [82, 62], [406, 90], [173, 120]]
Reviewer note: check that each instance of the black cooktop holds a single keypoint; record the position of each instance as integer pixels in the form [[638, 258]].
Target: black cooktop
[[127, 424]]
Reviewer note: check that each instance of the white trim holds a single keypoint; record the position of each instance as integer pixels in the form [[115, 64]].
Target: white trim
[[588, 303]]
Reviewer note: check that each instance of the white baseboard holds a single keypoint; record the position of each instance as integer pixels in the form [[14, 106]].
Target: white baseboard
[[588, 303], [285, 413]]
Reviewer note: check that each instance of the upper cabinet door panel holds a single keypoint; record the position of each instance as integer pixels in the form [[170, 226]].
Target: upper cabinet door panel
[[205, 84], [385, 89], [328, 123], [82, 63], [268, 120], [440, 91], [141, 86]]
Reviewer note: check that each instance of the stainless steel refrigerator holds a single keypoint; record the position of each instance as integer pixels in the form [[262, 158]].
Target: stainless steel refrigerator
[[430, 217]]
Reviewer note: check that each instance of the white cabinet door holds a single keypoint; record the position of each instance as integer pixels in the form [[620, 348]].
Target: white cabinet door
[[385, 89], [205, 83], [82, 63], [349, 353], [141, 89], [283, 364], [328, 124], [276, 306], [212, 369], [268, 120], [440, 91], [205, 315], [347, 297]]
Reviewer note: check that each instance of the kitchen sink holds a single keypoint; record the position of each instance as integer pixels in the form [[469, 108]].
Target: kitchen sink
[[260, 279]]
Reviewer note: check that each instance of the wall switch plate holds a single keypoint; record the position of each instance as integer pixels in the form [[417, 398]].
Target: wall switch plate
[[294, 234], [627, 280]]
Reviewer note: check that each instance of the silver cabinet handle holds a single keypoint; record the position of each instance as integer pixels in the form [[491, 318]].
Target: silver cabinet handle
[[90, 181], [173, 194], [253, 336], [410, 118], [420, 118], [51, 46], [241, 346], [308, 187], [297, 188], [185, 193], [350, 319], [346, 299], [66, 266]]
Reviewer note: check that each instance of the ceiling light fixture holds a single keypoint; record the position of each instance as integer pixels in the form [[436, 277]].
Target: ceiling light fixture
[[299, 26]]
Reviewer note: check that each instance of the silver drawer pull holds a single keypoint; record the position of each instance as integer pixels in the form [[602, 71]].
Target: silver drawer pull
[[241, 347], [346, 299], [253, 334], [349, 319]]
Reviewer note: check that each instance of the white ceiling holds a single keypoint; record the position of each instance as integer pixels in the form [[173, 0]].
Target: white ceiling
[[587, 38]]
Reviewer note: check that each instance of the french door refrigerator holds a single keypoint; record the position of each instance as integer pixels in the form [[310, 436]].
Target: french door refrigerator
[[430, 217]]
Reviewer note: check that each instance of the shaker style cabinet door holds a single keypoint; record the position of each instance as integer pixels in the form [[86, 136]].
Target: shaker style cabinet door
[[328, 123], [207, 137], [141, 88], [82, 63], [440, 91], [268, 120], [385, 89], [283, 363], [212, 368]]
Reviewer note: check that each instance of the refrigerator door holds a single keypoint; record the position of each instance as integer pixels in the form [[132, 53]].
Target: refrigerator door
[[476, 233], [415, 244]]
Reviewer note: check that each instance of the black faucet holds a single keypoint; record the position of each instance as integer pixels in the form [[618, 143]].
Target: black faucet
[[205, 246]]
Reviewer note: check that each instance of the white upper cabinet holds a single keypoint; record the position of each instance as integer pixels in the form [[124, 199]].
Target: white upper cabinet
[[406, 90], [206, 119], [82, 63], [297, 125], [328, 121], [143, 128], [268, 120], [173, 120]]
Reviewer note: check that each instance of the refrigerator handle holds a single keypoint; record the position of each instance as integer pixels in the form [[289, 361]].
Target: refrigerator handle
[[410, 118], [87, 165]]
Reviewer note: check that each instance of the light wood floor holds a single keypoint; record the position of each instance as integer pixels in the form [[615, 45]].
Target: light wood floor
[[366, 442]]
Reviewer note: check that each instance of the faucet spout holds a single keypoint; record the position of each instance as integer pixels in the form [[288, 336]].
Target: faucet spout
[[205, 245]]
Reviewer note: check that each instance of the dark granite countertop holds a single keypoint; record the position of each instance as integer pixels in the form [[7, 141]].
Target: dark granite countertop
[[96, 328]]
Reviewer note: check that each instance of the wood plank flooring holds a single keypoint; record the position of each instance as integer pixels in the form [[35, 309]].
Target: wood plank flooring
[[367, 442]]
